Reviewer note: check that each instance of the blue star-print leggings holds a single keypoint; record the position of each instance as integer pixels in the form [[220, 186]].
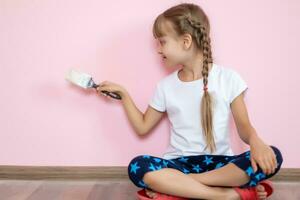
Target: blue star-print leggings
[[198, 164]]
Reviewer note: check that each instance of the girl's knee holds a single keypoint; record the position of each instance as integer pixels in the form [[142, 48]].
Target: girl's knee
[[137, 168], [136, 164]]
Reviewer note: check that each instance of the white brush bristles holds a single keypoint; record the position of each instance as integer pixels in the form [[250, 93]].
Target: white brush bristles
[[78, 78]]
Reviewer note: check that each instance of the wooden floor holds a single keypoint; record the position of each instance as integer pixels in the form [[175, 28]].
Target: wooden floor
[[67, 190], [101, 190]]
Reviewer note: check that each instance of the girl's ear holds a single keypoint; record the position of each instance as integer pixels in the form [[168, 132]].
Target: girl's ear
[[187, 41]]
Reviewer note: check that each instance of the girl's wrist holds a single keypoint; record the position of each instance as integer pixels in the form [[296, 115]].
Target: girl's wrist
[[123, 93], [253, 139]]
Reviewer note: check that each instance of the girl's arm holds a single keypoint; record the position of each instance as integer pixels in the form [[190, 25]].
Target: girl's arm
[[261, 153], [142, 123], [241, 119]]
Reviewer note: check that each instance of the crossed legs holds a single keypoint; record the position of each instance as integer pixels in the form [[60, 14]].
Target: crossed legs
[[199, 186], [229, 176]]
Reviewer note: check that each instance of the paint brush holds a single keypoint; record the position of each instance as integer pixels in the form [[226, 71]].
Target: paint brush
[[86, 81]]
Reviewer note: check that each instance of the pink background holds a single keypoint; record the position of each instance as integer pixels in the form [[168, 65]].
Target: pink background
[[44, 120]]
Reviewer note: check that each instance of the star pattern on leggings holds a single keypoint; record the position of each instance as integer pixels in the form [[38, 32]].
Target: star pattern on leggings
[[159, 163], [134, 167], [185, 171], [260, 176], [248, 155], [208, 160], [182, 159], [220, 164], [152, 167], [197, 168], [141, 183], [146, 156], [165, 163], [252, 183], [158, 167], [249, 171], [172, 161]]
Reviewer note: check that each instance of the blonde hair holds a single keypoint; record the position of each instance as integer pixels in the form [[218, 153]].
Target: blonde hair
[[190, 18]]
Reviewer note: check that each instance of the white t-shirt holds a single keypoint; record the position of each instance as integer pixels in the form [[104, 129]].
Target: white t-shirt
[[182, 101]]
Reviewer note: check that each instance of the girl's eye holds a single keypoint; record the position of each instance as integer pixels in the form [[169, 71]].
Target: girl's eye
[[160, 42]]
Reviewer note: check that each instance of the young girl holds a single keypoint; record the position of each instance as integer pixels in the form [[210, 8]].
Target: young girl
[[198, 99]]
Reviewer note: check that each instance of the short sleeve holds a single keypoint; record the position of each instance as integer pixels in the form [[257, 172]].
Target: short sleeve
[[158, 99], [236, 86]]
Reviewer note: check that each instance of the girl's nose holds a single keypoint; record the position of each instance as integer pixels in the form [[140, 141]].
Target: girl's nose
[[158, 48], [159, 51]]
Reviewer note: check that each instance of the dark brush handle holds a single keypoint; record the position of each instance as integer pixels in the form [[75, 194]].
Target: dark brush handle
[[111, 94]]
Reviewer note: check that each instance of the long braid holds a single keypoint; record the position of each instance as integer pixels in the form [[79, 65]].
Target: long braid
[[203, 41]]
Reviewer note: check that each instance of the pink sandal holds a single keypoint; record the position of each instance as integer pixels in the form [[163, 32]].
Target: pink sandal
[[141, 194], [251, 193], [268, 186]]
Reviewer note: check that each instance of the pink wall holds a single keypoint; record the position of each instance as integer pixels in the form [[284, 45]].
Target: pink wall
[[46, 121]]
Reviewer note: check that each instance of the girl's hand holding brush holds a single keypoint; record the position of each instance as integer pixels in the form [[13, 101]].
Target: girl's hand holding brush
[[110, 87]]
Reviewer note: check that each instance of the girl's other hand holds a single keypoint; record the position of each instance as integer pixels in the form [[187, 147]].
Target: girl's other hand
[[263, 155]]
